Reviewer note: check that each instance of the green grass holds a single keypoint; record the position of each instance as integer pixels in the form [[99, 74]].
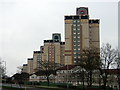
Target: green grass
[[13, 88], [53, 88]]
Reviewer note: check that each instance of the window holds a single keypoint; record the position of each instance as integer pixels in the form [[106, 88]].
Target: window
[[74, 52], [74, 21], [74, 29], [74, 25], [74, 37], [74, 61], [32, 76], [74, 57], [74, 44], [74, 33], [56, 37], [74, 48]]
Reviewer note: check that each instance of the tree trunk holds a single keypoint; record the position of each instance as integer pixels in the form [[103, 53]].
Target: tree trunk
[[48, 80], [105, 84], [119, 85], [83, 80], [90, 78], [105, 81], [118, 81], [99, 81]]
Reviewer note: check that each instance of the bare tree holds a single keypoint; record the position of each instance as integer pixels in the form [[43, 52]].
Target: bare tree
[[90, 61], [20, 78], [46, 68], [118, 69], [108, 56], [2, 68], [19, 69]]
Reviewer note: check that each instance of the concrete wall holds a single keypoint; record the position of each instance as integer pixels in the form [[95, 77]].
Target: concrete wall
[[68, 42], [30, 66]]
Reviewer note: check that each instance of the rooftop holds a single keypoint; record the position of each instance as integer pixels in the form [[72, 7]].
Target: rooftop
[[67, 67], [38, 52], [30, 58]]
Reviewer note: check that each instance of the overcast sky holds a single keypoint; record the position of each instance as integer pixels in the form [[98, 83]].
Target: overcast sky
[[24, 24]]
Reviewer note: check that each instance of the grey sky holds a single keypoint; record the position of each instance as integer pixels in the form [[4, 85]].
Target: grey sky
[[24, 24]]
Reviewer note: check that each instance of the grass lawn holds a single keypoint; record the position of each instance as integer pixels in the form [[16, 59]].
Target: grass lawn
[[53, 88], [12, 88]]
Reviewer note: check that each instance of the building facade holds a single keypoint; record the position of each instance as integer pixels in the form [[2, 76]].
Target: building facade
[[30, 65], [37, 60], [54, 50], [25, 68], [70, 74], [80, 33]]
